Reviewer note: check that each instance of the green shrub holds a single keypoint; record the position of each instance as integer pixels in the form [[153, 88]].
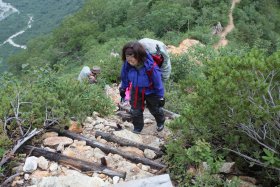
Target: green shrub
[[179, 157], [2, 151], [237, 96], [50, 96]]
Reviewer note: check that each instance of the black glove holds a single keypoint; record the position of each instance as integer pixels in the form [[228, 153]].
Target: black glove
[[122, 93], [161, 102]]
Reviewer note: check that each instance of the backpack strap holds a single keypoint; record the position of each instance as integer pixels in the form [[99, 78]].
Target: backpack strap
[[149, 73], [158, 58]]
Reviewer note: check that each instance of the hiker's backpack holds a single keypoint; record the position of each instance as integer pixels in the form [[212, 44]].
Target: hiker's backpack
[[84, 73], [160, 55]]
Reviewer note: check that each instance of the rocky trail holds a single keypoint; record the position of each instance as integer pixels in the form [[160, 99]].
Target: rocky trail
[[186, 44], [223, 41], [103, 152]]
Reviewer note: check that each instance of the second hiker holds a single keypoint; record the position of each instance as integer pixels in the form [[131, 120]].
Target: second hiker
[[144, 75]]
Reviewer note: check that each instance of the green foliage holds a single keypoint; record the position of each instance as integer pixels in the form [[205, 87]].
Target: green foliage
[[270, 158], [263, 18], [179, 157], [2, 151], [237, 96], [170, 20], [175, 17], [175, 97], [216, 92], [72, 34], [101, 56], [57, 97], [207, 179], [2, 170], [200, 152], [5, 142]]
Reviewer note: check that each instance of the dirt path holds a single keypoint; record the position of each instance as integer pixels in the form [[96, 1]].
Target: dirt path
[[188, 43], [223, 41]]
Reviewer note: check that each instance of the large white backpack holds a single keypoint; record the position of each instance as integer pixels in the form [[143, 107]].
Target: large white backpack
[[155, 46]]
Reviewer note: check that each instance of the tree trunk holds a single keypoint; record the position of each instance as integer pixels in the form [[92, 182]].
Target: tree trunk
[[107, 149], [77, 163], [126, 142]]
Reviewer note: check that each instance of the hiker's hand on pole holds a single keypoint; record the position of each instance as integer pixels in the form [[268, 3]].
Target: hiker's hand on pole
[[122, 94]]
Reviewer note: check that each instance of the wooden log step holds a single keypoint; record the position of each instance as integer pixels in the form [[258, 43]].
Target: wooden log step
[[126, 142], [84, 166], [107, 149]]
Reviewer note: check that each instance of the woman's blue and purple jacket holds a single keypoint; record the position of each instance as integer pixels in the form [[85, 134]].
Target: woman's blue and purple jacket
[[146, 80]]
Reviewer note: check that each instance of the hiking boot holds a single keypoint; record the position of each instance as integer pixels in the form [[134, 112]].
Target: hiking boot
[[135, 131], [160, 127]]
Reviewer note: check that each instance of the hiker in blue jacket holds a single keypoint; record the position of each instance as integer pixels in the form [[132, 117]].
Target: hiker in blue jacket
[[144, 75]]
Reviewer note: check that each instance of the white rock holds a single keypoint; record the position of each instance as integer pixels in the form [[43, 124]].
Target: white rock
[[53, 166], [26, 176], [49, 134], [54, 141], [227, 167], [60, 147], [155, 143], [43, 163], [89, 120], [127, 124], [88, 126], [148, 121], [99, 120], [98, 153], [145, 168], [139, 165], [157, 181], [99, 126], [116, 179], [17, 182], [149, 153], [71, 178], [30, 164], [106, 128], [95, 114], [78, 143], [129, 135]]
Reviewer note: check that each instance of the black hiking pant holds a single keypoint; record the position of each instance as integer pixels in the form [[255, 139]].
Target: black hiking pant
[[137, 108]]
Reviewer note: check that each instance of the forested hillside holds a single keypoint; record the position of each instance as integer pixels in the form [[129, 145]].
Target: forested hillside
[[46, 15], [228, 98]]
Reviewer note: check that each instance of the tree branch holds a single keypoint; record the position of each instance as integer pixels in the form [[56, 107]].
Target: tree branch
[[251, 132], [257, 162], [20, 142]]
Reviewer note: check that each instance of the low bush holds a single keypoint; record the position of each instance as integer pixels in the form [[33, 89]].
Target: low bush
[[45, 96], [236, 109]]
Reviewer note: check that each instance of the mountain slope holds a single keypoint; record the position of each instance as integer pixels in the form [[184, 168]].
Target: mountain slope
[[46, 15]]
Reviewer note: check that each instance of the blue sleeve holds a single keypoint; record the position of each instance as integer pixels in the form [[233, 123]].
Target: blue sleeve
[[124, 76], [157, 81]]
